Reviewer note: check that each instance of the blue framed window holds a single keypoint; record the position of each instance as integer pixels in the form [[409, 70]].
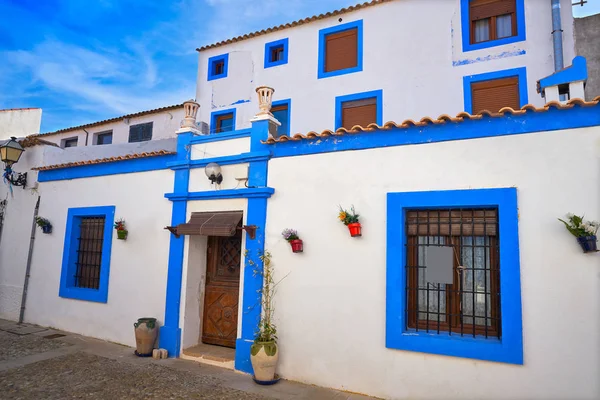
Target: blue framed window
[[492, 23], [340, 49], [217, 67], [484, 220], [482, 91], [276, 53], [281, 110], [86, 254], [222, 121], [359, 109]]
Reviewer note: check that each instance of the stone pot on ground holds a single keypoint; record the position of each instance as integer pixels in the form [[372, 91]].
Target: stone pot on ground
[[264, 357], [146, 333]]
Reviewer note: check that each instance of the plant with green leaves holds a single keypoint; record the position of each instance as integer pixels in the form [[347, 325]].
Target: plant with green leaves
[[42, 222], [348, 217], [579, 227]]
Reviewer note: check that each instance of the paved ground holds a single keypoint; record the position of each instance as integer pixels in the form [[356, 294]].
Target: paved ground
[[36, 365]]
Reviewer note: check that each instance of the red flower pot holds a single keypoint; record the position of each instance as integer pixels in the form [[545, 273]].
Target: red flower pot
[[296, 245], [355, 229]]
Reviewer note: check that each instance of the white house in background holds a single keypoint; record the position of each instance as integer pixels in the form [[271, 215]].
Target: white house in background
[[19, 122], [385, 60]]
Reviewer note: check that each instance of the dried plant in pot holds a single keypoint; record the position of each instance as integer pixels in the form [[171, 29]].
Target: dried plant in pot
[[44, 224], [291, 235], [584, 231], [121, 230], [350, 219]]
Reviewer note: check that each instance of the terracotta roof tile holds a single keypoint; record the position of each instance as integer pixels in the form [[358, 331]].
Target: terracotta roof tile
[[442, 119], [106, 160], [293, 24]]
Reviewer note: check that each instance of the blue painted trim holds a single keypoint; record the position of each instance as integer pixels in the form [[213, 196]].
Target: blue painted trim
[[67, 280], [240, 133], [277, 43], [339, 100], [110, 168], [521, 73], [224, 160], [335, 29], [553, 119], [465, 22], [249, 193], [213, 120], [489, 57], [510, 348], [287, 102], [577, 71], [211, 61]]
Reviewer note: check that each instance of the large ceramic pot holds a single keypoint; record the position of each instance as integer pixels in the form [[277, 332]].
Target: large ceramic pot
[[146, 332], [588, 243], [264, 357]]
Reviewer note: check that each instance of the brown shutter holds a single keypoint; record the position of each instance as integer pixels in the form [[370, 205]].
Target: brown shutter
[[222, 223], [479, 9], [359, 112], [495, 94], [341, 50], [452, 223]]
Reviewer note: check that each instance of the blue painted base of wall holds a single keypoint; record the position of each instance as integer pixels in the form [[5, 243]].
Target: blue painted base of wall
[[169, 338], [242, 355]]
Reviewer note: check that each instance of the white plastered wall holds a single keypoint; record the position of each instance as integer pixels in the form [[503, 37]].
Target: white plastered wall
[[331, 310], [412, 50], [19, 122], [138, 266]]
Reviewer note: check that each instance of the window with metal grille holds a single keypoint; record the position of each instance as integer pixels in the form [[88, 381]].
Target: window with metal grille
[[492, 95], [492, 20], [456, 291], [359, 112], [341, 50], [89, 252], [140, 132]]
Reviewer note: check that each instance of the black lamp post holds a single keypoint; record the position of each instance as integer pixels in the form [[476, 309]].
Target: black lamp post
[[10, 153]]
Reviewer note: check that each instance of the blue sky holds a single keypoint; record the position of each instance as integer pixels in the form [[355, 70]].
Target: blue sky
[[87, 60]]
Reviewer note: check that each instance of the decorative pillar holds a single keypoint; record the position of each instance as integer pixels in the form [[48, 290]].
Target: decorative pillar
[[188, 124]]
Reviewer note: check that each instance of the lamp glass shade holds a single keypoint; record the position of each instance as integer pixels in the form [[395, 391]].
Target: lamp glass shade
[[212, 169], [10, 152]]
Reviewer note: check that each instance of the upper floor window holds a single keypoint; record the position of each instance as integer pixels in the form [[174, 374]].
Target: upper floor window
[[494, 90], [104, 137], [222, 121], [140, 132], [281, 112], [489, 23], [276, 53], [340, 49], [70, 142], [359, 109], [217, 67]]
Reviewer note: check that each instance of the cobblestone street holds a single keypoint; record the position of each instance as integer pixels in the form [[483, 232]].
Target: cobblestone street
[[38, 363]]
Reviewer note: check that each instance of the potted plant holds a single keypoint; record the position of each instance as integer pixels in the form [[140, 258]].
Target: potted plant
[[264, 353], [584, 231], [146, 332], [350, 219], [44, 224], [121, 231], [291, 235]]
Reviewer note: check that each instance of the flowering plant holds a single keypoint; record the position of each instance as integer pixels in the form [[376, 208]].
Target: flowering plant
[[290, 234], [120, 224], [580, 228], [348, 217]]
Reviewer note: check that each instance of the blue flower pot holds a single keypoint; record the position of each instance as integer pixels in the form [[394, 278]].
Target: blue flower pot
[[47, 229], [588, 243]]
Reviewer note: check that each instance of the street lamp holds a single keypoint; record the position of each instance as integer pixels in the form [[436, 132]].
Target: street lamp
[[10, 153], [213, 172]]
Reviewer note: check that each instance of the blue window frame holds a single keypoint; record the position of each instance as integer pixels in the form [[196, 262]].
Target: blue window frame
[[222, 121], [217, 67], [281, 110], [507, 349], [341, 101], [86, 262], [520, 73], [276, 53], [324, 33], [465, 20]]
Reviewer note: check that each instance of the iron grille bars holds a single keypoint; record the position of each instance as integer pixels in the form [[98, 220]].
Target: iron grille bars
[[89, 252]]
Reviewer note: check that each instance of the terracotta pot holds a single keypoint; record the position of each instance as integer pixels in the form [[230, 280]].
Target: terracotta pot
[[296, 245], [146, 331], [264, 357], [355, 229], [588, 243], [122, 234]]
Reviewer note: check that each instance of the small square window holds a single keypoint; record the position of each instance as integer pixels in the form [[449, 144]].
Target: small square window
[[217, 67], [487, 23], [359, 109], [71, 142], [104, 138], [281, 112], [140, 132], [276, 53], [340, 49], [222, 121]]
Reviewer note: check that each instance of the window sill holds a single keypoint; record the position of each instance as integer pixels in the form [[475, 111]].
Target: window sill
[[493, 43], [323, 74], [270, 64], [215, 77], [94, 295]]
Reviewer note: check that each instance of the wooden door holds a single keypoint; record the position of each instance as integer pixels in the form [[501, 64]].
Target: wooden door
[[220, 317]]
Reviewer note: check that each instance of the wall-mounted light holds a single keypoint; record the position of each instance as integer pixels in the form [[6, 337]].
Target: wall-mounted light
[[213, 172], [10, 153]]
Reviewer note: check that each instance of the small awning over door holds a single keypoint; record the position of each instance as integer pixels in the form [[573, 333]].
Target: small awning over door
[[222, 223]]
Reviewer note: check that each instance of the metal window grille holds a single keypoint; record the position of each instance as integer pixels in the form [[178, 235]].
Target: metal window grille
[[140, 132], [89, 252], [470, 305]]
